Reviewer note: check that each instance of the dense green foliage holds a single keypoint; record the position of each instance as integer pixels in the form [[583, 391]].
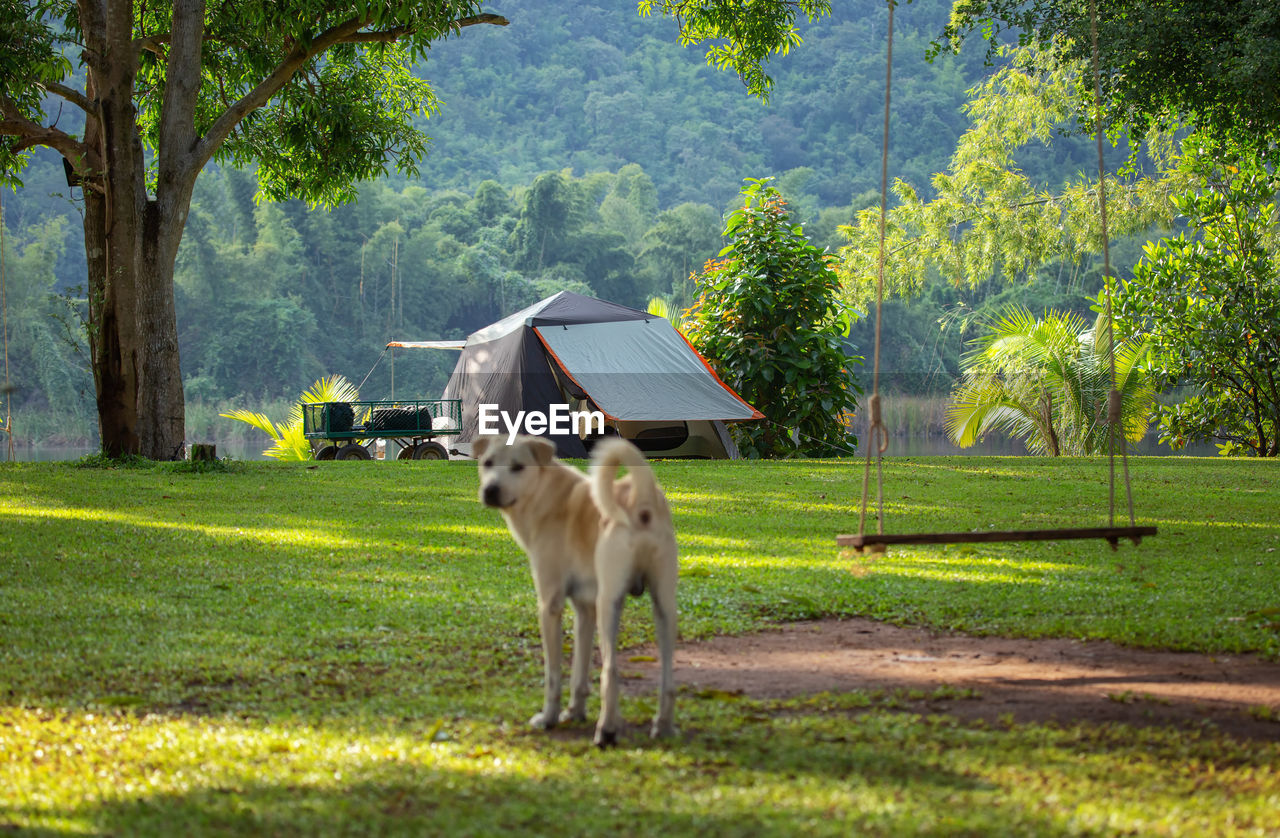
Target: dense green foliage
[[594, 87], [45, 342], [770, 321], [1210, 301], [1215, 65], [1046, 381], [986, 214], [743, 36], [352, 649], [984, 217], [334, 287], [330, 123], [315, 96]]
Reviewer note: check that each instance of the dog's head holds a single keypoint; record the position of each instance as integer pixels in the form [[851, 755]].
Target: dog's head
[[508, 472]]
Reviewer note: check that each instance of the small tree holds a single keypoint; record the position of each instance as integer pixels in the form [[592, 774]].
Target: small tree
[[1046, 381], [769, 319], [1211, 305], [288, 440]]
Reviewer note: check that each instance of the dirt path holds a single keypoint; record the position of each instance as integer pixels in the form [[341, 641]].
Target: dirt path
[[1064, 681]]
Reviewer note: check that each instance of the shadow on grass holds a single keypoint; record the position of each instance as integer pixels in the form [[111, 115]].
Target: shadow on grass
[[671, 790], [734, 770], [276, 586]]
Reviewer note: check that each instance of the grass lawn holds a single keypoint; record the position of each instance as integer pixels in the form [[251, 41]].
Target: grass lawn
[[351, 648]]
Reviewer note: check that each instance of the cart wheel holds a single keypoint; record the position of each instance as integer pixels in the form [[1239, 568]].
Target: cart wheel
[[353, 452], [406, 453], [328, 452], [430, 451]]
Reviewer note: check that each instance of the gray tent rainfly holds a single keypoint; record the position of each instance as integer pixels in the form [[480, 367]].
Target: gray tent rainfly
[[632, 366]]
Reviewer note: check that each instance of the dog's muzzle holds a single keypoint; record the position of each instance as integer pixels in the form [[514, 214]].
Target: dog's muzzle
[[492, 495]]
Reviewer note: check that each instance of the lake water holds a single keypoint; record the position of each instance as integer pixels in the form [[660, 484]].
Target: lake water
[[940, 446], [67, 452], [899, 446]]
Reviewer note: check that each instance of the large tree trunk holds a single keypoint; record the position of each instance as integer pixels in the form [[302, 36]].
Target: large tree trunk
[[161, 408], [131, 244], [112, 380], [133, 326]]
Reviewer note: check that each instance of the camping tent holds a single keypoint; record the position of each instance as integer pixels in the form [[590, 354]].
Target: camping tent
[[635, 368]]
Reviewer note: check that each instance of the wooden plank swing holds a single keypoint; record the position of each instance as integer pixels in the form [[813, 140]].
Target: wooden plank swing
[[878, 542]]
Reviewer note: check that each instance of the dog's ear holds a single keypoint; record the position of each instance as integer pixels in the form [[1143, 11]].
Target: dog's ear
[[480, 446], [543, 450]]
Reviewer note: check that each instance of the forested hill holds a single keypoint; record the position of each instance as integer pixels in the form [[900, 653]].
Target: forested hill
[[580, 147], [593, 86]]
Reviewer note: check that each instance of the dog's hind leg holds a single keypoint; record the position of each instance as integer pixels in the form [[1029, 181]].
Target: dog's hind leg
[[663, 593], [615, 572], [550, 615], [584, 634], [609, 614]]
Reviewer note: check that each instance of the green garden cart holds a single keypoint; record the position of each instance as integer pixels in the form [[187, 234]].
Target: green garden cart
[[349, 430]]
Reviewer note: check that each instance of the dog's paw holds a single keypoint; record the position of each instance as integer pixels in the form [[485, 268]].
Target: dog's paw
[[569, 716], [662, 729], [543, 721], [606, 738]]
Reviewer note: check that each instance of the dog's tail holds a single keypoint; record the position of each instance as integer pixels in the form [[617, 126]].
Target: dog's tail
[[606, 458]]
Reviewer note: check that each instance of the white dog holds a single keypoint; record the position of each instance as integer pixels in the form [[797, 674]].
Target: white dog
[[591, 541]]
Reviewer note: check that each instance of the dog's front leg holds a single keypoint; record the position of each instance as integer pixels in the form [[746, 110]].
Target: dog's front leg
[[550, 614], [584, 632]]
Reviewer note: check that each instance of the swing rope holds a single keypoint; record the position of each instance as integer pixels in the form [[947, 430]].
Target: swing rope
[[1115, 433], [877, 433], [878, 438]]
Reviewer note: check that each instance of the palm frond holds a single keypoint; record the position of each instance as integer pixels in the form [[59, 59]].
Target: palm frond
[[1049, 377], [291, 445], [659, 307], [257, 420], [334, 388], [980, 407]]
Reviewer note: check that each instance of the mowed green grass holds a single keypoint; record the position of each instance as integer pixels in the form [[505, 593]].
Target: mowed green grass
[[351, 648]]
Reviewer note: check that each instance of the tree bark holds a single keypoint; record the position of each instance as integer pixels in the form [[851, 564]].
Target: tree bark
[[131, 243], [116, 236], [161, 405], [111, 380]]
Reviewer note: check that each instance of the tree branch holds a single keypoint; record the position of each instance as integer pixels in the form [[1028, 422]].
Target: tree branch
[[182, 89], [268, 87], [152, 43], [73, 96], [386, 36], [346, 32], [31, 134], [474, 20]]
